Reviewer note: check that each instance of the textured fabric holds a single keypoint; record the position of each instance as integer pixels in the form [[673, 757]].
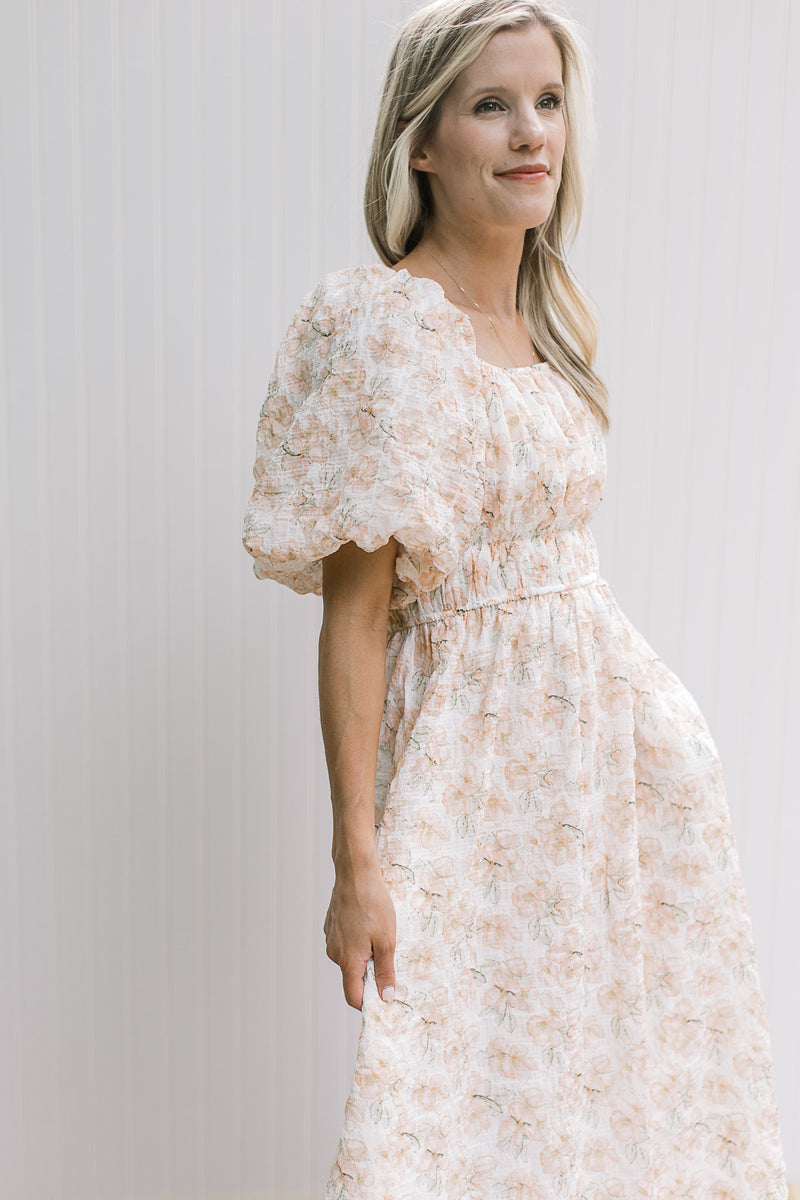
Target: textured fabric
[[578, 1008]]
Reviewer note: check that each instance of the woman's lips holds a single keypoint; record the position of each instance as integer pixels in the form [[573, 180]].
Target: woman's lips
[[525, 176]]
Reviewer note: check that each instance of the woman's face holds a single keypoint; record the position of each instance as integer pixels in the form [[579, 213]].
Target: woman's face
[[503, 115]]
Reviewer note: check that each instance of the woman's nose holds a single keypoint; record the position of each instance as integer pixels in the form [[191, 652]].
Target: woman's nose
[[529, 128]]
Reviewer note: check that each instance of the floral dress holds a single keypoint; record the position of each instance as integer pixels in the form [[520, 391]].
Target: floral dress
[[578, 1011]]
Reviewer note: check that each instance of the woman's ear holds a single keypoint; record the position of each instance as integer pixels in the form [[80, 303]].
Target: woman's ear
[[419, 161]]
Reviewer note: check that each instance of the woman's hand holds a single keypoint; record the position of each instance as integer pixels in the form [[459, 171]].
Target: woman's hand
[[360, 924]]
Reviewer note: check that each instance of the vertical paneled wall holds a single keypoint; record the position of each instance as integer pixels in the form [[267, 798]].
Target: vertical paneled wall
[[173, 179]]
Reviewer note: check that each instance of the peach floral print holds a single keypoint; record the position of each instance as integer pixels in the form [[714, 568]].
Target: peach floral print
[[578, 1011]]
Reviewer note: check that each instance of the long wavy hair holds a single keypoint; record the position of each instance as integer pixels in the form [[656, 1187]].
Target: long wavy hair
[[432, 47]]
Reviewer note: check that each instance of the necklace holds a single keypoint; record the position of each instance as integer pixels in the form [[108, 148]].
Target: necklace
[[472, 302]]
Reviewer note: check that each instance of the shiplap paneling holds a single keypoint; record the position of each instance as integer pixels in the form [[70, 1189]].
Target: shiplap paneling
[[173, 178]]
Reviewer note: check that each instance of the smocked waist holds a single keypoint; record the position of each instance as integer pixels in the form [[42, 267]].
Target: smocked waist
[[555, 560]]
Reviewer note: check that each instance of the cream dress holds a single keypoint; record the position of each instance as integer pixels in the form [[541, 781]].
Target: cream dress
[[578, 1008]]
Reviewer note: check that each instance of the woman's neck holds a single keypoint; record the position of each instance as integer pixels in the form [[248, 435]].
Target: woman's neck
[[486, 269]]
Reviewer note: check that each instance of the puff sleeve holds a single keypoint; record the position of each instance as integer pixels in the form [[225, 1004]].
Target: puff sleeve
[[371, 428]]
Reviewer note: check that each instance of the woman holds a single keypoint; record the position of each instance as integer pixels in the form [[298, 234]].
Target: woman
[[538, 905]]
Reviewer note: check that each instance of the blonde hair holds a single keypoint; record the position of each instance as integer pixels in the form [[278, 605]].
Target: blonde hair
[[433, 46]]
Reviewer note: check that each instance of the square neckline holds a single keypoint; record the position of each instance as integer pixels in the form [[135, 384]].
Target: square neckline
[[462, 316]]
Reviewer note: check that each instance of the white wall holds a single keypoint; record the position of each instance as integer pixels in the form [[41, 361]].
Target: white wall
[[173, 178]]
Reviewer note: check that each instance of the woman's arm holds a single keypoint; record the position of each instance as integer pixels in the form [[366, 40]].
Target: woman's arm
[[360, 923]]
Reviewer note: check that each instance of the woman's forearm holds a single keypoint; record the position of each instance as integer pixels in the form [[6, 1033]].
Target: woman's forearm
[[360, 923], [352, 689]]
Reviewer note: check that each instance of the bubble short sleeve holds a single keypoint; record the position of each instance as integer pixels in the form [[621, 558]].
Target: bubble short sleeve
[[371, 428]]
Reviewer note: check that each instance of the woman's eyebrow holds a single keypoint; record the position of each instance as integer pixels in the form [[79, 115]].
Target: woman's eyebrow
[[546, 87]]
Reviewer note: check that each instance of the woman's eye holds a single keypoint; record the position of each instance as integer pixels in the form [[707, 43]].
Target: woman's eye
[[550, 103]]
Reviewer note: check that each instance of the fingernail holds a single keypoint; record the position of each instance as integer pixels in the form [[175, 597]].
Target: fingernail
[[387, 994]]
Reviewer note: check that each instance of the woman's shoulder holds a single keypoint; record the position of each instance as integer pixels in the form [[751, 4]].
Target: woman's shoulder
[[361, 280], [389, 319], [371, 428], [354, 291], [372, 294], [369, 331]]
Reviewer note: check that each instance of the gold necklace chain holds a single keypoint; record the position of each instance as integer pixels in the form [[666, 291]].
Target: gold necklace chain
[[472, 301]]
